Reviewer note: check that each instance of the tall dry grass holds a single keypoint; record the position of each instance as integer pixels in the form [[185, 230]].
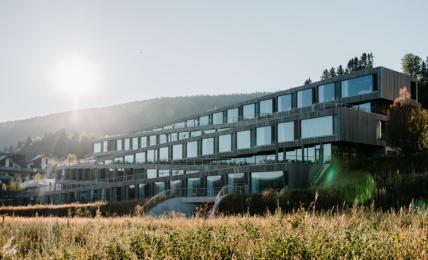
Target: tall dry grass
[[351, 233]]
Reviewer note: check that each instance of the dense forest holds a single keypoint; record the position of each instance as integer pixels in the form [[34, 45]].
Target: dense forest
[[55, 129]]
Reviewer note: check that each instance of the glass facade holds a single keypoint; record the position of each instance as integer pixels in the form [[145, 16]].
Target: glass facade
[[264, 135], [129, 158], [207, 146], [152, 173], [118, 160], [177, 172], [261, 181], [285, 132], [143, 140], [284, 103], [218, 118], [192, 149], [105, 146], [190, 123], [195, 133], [159, 187], [162, 139], [236, 178], [266, 107], [163, 154], [134, 143], [175, 184], [225, 143], [151, 155], [177, 152], [232, 115], [183, 135], [140, 157], [304, 98], [214, 185], [367, 107], [167, 127], [204, 120], [142, 191], [119, 145], [358, 86], [249, 111], [320, 126], [152, 139], [172, 137], [194, 187], [326, 93], [97, 148], [180, 125], [126, 144], [210, 131], [163, 173], [243, 139]]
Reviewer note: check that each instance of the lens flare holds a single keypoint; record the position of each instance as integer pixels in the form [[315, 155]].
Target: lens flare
[[358, 187]]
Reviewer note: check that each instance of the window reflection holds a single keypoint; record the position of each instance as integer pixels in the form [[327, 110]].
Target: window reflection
[[207, 146], [358, 86], [225, 143], [204, 120], [249, 111], [177, 151], [97, 148], [284, 103], [304, 98], [218, 118], [232, 115], [319, 126], [243, 139], [261, 181], [264, 135], [192, 149], [266, 107], [326, 93], [285, 132]]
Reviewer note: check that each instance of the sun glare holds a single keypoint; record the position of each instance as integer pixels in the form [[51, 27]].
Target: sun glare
[[75, 74]]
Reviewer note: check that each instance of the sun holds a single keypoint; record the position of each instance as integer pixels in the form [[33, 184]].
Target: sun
[[75, 73]]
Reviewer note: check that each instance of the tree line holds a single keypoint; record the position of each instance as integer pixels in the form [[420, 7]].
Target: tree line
[[366, 61], [59, 144], [415, 66]]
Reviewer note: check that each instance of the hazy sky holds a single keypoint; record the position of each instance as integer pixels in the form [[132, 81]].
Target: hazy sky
[[61, 55]]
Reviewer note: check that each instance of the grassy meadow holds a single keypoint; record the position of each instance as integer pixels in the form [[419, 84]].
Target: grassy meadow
[[350, 233]]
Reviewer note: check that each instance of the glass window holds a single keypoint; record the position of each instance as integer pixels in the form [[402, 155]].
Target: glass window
[[264, 135], [367, 107], [129, 158], [163, 154], [284, 103], [107, 162], [163, 173], [97, 148], [175, 184], [214, 185], [140, 157], [112, 145], [249, 111], [172, 137], [134, 143], [143, 140], [119, 145], [304, 98], [285, 132], [218, 118], [177, 172], [162, 139], [358, 86], [319, 126], [118, 160], [195, 133], [127, 144], [243, 139], [210, 131], [266, 107], [194, 187], [232, 115], [207, 146], [151, 155], [152, 139], [105, 146], [177, 151], [225, 143], [235, 178], [179, 125], [167, 127], [159, 187], [190, 123], [192, 149], [326, 93], [183, 135], [204, 120], [152, 173], [261, 181]]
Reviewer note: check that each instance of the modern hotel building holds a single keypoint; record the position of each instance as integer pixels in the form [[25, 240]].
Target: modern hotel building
[[283, 140]]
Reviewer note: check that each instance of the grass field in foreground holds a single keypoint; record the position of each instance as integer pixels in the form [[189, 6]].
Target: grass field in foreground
[[354, 233]]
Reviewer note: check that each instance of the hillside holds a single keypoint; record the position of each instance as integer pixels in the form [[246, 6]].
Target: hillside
[[117, 119]]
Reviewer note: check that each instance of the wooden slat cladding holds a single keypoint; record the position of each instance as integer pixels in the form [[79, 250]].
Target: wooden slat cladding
[[392, 82], [359, 127]]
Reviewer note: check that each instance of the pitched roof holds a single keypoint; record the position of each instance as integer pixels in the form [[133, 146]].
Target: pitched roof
[[37, 157]]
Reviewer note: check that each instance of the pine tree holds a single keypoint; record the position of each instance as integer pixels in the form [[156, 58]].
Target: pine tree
[[423, 73], [308, 81], [370, 60], [19, 145], [363, 61], [350, 67], [11, 150], [5, 149], [28, 141], [325, 74], [356, 64], [340, 70], [333, 72]]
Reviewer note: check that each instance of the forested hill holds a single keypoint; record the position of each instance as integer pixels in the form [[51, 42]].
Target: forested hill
[[117, 119]]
